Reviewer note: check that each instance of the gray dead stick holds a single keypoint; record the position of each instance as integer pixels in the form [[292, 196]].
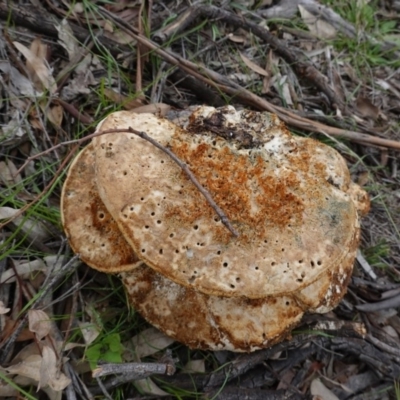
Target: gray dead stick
[[136, 370], [391, 302]]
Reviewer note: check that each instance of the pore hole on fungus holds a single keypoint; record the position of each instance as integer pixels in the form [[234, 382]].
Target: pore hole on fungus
[[146, 227], [225, 264], [101, 215], [319, 262]]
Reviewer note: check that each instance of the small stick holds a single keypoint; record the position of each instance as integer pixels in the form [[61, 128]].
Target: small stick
[[189, 173], [136, 370]]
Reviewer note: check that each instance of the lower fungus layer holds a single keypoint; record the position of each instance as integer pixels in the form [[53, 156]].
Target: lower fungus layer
[[229, 323], [210, 322]]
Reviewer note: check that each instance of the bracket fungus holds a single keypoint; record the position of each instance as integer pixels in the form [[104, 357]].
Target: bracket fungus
[[128, 207]]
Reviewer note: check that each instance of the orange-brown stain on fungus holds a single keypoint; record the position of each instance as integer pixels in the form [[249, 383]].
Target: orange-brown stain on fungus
[[231, 178]]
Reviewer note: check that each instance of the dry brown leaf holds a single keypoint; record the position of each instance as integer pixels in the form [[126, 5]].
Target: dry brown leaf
[[338, 84], [30, 367], [280, 83], [22, 269], [8, 173], [391, 332], [321, 392], [147, 386], [39, 323], [12, 132], [317, 26], [363, 178], [7, 390], [67, 39], [89, 331], [34, 230], [3, 308], [49, 373], [9, 328], [39, 49], [253, 66], [41, 369], [125, 102], [271, 60], [286, 380], [48, 367], [366, 108], [236, 38], [39, 68], [120, 37], [55, 114], [26, 351], [195, 366], [160, 109], [20, 83], [146, 343]]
